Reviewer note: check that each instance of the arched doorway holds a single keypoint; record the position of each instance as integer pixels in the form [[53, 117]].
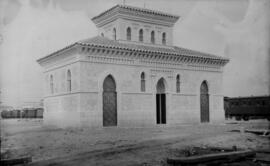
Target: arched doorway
[[161, 102], [204, 102], [109, 102]]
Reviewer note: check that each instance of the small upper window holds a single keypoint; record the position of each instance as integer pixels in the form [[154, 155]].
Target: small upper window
[[128, 33], [143, 82], [68, 81], [51, 84], [102, 34], [164, 38], [141, 35], [153, 37], [178, 83], [114, 34]]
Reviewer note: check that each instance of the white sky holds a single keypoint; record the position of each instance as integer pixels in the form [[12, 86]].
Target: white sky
[[238, 29]]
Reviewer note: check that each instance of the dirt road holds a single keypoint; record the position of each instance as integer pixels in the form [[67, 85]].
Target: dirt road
[[120, 146]]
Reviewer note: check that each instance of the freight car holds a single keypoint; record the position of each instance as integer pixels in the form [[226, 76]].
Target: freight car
[[254, 107], [8, 114], [24, 113], [32, 113]]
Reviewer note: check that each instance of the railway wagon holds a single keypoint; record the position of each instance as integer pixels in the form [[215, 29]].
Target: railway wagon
[[8, 114], [24, 113], [245, 108], [32, 113]]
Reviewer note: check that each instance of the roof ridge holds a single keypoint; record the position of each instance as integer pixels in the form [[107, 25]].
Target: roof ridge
[[199, 52], [151, 11], [147, 10]]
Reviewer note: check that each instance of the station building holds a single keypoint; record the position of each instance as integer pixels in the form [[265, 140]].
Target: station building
[[131, 75]]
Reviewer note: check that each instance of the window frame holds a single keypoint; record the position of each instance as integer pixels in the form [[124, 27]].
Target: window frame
[[141, 35], [164, 41], [69, 83], [153, 37], [51, 84], [178, 83], [114, 33], [143, 82], [128, 34]]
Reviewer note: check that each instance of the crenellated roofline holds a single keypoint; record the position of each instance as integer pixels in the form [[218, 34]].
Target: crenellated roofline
[[101, 45]]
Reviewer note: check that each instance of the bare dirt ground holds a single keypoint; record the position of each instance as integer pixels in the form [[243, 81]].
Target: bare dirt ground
[[121, 146]]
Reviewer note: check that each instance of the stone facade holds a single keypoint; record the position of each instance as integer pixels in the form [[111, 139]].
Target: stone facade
[[78, 99]]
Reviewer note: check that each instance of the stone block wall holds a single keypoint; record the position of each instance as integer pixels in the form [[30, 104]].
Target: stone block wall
[[138, 109]]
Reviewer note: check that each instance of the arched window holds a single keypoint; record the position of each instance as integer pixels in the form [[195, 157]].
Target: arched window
[[51, 84], [114, 34], [141, 35], [164, 38], [143, 82], [178, 83], [153, 37], [128, 33], [68, 81]]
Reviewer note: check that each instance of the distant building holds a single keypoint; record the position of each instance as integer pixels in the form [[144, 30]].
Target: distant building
[[132, 75]]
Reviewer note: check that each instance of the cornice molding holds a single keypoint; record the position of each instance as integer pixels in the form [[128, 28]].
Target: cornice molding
[[114, 56], [140, 55], [153, 57]]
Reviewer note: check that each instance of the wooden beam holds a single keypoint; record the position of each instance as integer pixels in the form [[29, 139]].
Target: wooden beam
[[228, 156], [16, 161]]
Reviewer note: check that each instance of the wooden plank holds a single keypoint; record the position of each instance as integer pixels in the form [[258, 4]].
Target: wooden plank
[[230, 156], [258, 131], [263, 151], [16, 161], [263, 158]]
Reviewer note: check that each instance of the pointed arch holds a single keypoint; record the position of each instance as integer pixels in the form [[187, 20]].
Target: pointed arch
[[109, 84], [204, 87], [161, 86]]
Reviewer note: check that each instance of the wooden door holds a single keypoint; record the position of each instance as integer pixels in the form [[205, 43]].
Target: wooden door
[[204, 102], [109, 102]]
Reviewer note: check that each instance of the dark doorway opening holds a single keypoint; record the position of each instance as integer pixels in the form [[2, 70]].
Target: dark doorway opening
[[109, 102], [161, 102]]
